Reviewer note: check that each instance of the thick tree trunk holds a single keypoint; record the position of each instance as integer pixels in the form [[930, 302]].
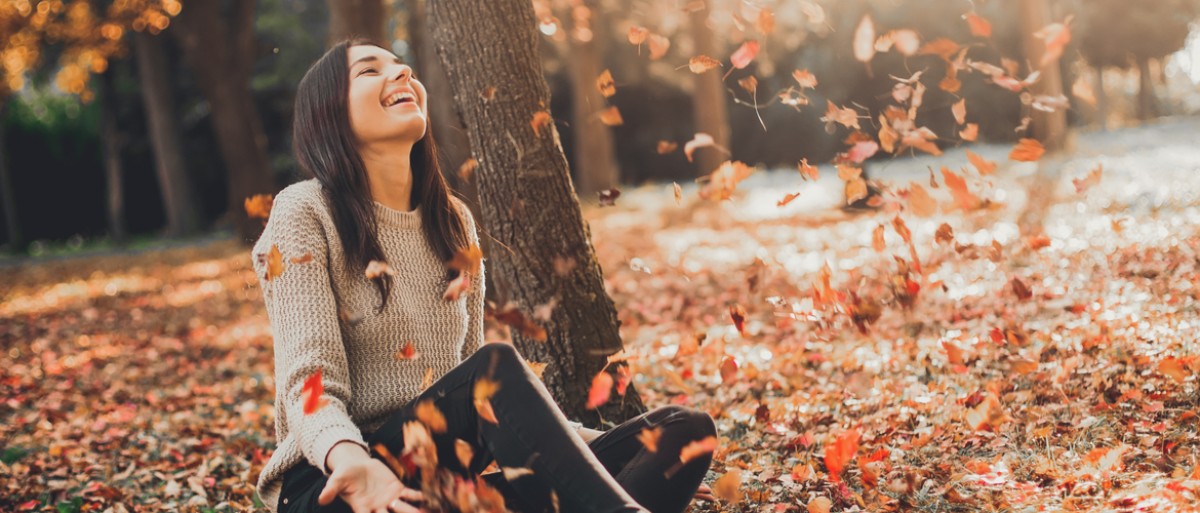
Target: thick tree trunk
[[594, 164], [444, 118], [1147, 107], [356, 18], [529, 207], [182, 216], [1048, 127], [110, 138], [7, 197], [221, 52], [709, 108]]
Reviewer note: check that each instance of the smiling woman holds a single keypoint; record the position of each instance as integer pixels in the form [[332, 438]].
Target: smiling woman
[[372, 344]]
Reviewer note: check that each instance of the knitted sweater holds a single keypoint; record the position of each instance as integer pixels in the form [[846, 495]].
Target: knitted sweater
[[323, 317]]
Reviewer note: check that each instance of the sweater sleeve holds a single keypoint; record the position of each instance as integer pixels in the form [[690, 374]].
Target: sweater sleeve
[[303, 315], [476, 292]]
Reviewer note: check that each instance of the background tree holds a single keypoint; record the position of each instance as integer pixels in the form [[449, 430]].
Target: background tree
[[357, 18], [490, 52], [710, 109], [585, 32]]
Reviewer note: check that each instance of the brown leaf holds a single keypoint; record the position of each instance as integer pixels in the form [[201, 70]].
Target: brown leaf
[[749, 83], [275, 264], [701, 63], [649, 438], [1020, 289], [658, 46], [963, 198], [729, 370], [920, 202], [856, 189], [738, 314], [611, 116], [877, 241], [608, 197], [846, 117]]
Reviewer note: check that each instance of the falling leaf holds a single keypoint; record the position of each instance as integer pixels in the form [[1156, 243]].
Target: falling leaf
[[844, 116], [1027, 150], [624, 376], [728, 486], [375, 269], [963, 198], [699, 140], [259, 205], [467, 168], [429, 414], [611, 116], [862, 151], [601, 388], [484, 390], [407, 352], [608, 197], [512, 317], [545, 311], [807, 171], [665, 147], [819, 504], [1173, 367], [749, 83], [920, 202], [1082, 90], [744, 54], [877, 241], [464, 452], [488, 93], [537, 368], [1089, 181], [984, 166], [701, 63], [970, 132], [541, 119], [678, 193], [314, 389], [302, 259], [944, 234], [738, 314], [514, 473], [720, 184], [649, 438], [787, 199], [988, 415], [1056, 36], [805, 78], [466, 260], [606, 85], [959, 109], [457, 286], [658, 46], [428, 379], [864, 40], [697, 448], [275, 264], [856, 189], [940, 47], [840, 453], [637, 35], [729, 369], [980, 27], [765, 22]]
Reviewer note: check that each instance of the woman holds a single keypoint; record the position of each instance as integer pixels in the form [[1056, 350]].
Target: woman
[[361, 129]]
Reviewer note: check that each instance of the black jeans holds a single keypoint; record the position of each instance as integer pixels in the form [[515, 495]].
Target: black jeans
[[613, 473]]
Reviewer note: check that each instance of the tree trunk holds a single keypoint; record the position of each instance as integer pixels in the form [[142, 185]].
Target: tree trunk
[[1048, 127], [709, 108], [594, 164], [356, 18], [1147, 107], [182, 216], [110, 138], [444, 118], [7, 197], [221, 52], [529, 207]]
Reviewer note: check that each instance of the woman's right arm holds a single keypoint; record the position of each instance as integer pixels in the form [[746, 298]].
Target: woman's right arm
[[292, 262]]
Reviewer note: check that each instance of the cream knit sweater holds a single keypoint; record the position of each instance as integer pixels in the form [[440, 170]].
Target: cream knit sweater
[[324, 317]]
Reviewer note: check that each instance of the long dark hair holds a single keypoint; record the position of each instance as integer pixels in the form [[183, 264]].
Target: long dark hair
[[324, 146]]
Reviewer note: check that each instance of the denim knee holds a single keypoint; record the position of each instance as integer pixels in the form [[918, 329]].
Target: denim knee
[[500, 354], [695, 422]]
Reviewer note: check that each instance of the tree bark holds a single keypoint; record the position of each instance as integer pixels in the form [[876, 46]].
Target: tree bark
[[356, 18], [1048, 127], [529, 206], [1146, 105], [221, 52], [443, 115], [595, 163], [182, 216], [7, 196], [710, 112], [110, 138]]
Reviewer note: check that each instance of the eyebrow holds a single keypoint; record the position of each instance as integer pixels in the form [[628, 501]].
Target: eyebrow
[[371, 58]]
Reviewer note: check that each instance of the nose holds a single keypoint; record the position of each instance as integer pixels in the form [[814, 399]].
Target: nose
[[403, 72]]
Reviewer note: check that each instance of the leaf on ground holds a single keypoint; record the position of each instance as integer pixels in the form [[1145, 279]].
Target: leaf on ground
[[983, 166], [840, 453], [1088, 181], [728, 487]]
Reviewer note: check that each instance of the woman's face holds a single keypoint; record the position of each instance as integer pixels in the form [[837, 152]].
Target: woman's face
[[386, 103]]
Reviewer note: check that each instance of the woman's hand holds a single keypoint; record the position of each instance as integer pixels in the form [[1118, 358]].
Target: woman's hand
[[369, 486]]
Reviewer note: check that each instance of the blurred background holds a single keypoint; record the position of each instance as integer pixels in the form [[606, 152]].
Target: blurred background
[[133, 122]]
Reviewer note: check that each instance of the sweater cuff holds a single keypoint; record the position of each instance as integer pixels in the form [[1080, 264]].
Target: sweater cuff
[[329, 437]]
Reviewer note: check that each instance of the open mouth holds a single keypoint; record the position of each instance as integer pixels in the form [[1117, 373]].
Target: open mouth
[[400, 98]]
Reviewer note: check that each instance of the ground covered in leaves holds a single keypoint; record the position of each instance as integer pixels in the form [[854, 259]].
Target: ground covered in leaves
[[973, 367]]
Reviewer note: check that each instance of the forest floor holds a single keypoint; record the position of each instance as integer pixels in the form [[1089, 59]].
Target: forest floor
[[1009, 371]]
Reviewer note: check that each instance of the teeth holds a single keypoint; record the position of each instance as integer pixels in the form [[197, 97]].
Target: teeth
[[396, 98]]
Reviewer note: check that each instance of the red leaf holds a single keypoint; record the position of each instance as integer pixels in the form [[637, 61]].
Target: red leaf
[[314, 389], [729, 368], [746, 53], [841, 452], [738, 314], [601, 388]]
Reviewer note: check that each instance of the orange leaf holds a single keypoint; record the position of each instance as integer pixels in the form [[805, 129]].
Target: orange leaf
[[1027, 150], [805, 78], [658, 46], [902, 229], [980, 27], [431, 416], [464, 452], [697, 448], [808, 172], [601, 388], [959, 109], [963, 198], [624, 376], [970, 132], [720, 184], [605, 84], [844, 116], [986, 416], [314, 389], [259, 205], [841, 452], [856, 189], [787, 199], [984, 166], [649, 438], [728, 486], [1174, 368], [1087, 182], [541, 119], [484, 390], [701, 63], [637, 35], [765, 22], [877, 241], [820, 504], [302, 259], [275, 264], [407, 352], [729, 368], [920, 202], [1056, 36], [665, 147], [954, 354], [749, 83], [744, 54], [466, 259], [611, 116]]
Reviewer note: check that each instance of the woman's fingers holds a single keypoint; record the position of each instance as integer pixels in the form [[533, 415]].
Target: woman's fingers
[[332, 488], [705, 493], [411, 495], [399, 506]]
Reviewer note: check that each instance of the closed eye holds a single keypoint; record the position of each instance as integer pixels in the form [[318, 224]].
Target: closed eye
[[365, 70]]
